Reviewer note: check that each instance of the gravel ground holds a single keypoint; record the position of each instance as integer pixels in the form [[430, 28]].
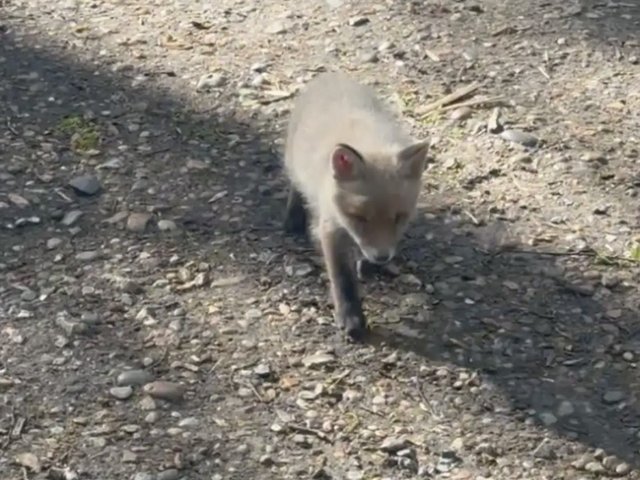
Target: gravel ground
[[157, 324]]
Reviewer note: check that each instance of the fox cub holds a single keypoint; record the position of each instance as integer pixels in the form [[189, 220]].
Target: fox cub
[[358, 174]]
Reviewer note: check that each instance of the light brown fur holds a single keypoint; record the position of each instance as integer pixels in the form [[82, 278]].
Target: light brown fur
[[358, 174]]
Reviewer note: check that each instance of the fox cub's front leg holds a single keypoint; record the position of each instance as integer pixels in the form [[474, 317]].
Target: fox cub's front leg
[[336, 249]]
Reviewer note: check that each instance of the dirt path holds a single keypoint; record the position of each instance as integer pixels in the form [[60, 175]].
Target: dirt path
[[156, 324]]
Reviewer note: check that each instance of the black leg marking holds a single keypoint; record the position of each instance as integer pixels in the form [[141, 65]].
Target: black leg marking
[[296, 214], [344, 283]]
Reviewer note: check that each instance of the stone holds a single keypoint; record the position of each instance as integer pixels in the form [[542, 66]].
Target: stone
[[613, 396], [121, 393], [134, 377], [518, 136], [163, 390], [170, 474], [54, 243], [210, 81], [167, 225], [320, 358], [394, 444], [87, 256], [71, 217], [565, 409], [276, 28], [547, 418], [358, 21], [137, 222], [85, 185]]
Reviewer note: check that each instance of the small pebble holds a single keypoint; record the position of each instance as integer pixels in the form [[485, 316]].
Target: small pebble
[[613, 396], [134, 377], [276, 28], [547, 418], [188, 422], [54, 243], [565, 409], [358, 21], [85, 185], [170, 391], [137, 222], [209, 81], [71, 217], [167, 225], [517, 136], [87, 256], [171, 474], [121, 393]]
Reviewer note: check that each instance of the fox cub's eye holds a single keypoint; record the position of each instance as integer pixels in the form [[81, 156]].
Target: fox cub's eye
[[400, 217], [359, 218]]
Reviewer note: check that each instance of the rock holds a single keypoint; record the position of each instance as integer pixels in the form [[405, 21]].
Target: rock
[[610, 462], [595, 467], [493, 124], [266, 460], [210, 80], [394, 444], [85, 185], [262, 370], [18, 200], [369, 57], [30, 461], [134, 377], [276, 28], [460, 114], [87, 256], [317, 359], [54, 243], [447, 462], [70, 327], [152, 417], [121, 393], [137, 222], [129, 457], [565, 409], [623, 469], [71, 217], [189, 422], [195, 164], [547, 418], [170, 474], [144, 476], [358, 21], [167, 225], [518, 136], [113, 164], [148, 404], [613, 396], [163, 390]]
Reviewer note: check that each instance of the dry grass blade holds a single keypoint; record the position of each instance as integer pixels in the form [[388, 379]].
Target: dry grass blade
[[453, 97]]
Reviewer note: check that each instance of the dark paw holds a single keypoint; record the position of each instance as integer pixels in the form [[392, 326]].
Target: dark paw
[[353, 323]]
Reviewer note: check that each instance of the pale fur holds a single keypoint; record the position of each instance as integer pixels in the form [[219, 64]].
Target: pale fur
[[333, 109]]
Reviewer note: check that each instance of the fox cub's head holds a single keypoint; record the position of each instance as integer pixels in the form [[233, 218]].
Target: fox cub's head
[[375, 197]]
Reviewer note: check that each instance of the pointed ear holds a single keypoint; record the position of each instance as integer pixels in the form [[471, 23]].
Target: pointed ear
[[411, 159], [346, 162]]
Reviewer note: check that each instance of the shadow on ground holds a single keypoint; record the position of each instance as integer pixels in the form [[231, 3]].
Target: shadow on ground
[[530, 324], [542, 327]]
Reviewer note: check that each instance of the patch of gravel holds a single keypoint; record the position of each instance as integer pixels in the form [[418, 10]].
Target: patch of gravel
[[157, 324]]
